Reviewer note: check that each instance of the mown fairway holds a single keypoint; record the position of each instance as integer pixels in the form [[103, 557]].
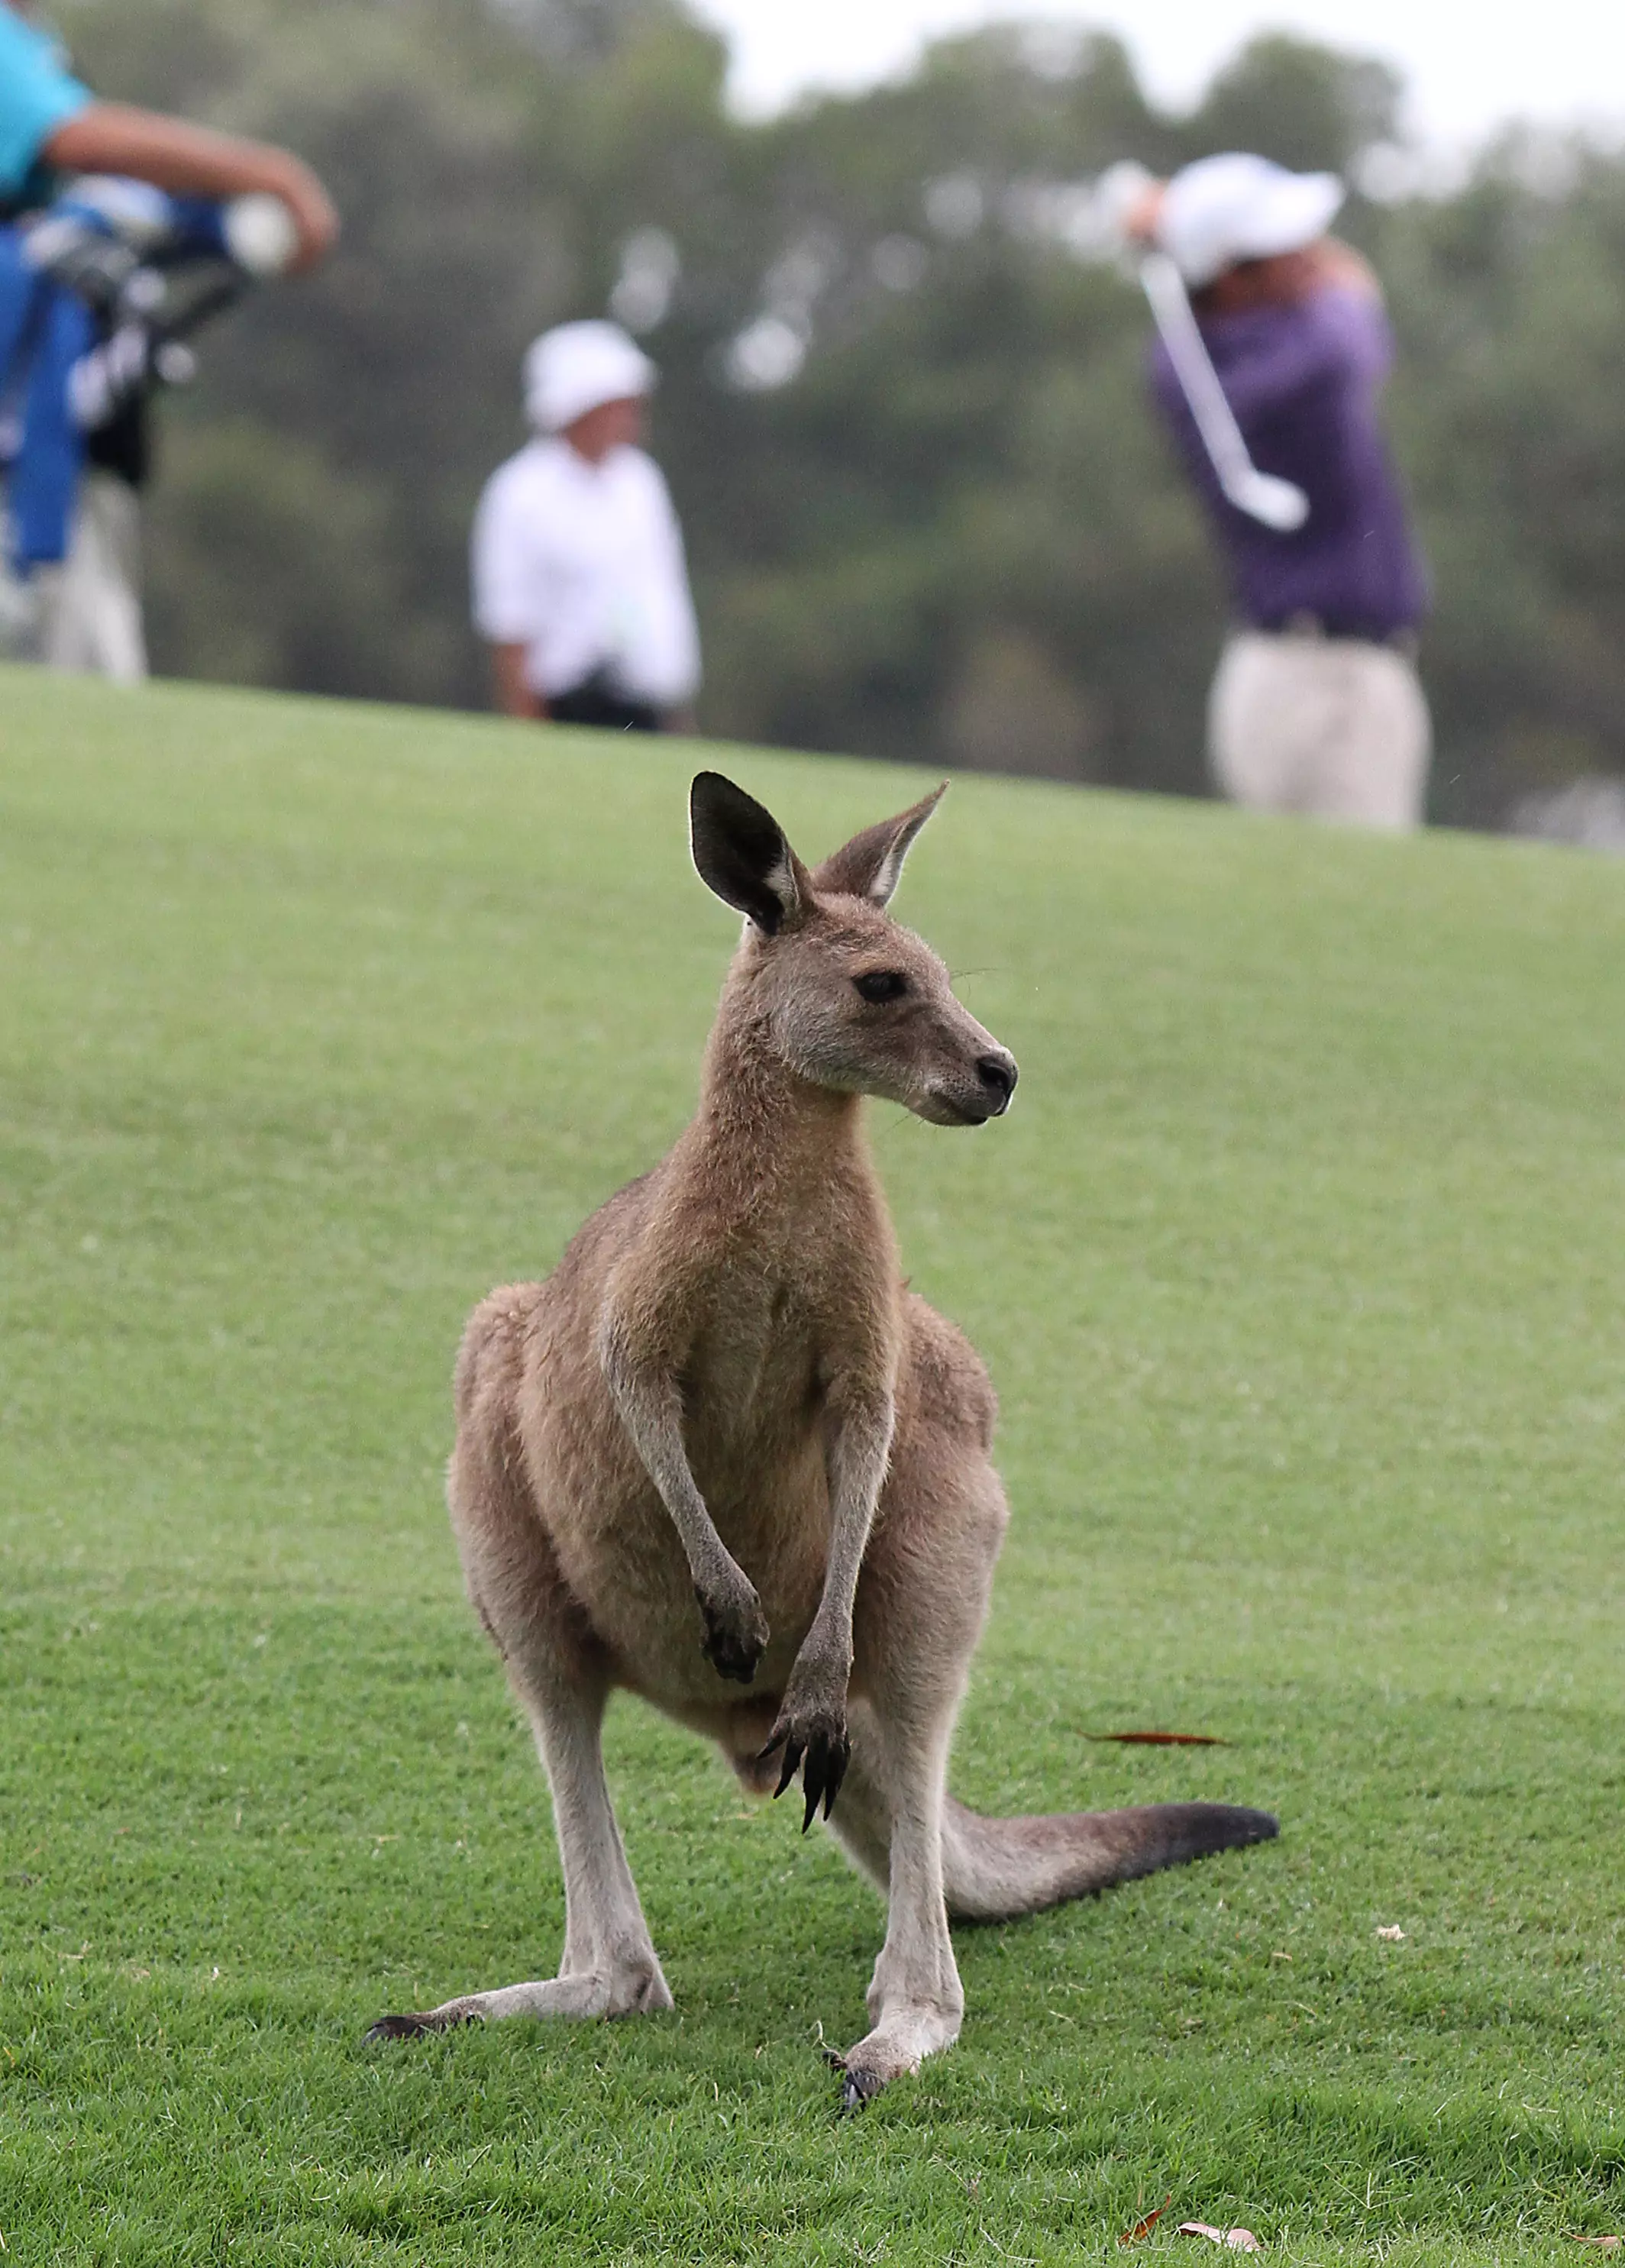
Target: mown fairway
[[1297, 1266]]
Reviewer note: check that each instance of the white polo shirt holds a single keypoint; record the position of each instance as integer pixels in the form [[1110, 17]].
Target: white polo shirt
[[583, 565]]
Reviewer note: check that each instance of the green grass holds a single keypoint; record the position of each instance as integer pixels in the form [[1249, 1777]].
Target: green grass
[[1298, 1267]]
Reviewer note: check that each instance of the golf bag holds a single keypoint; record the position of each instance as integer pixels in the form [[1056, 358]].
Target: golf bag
[[98, 292]]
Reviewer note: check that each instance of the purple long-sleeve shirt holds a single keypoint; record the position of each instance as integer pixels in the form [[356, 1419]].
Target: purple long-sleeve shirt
[[1303, 382]]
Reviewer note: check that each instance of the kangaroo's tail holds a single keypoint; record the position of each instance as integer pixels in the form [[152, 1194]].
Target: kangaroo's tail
[[994, 1869]]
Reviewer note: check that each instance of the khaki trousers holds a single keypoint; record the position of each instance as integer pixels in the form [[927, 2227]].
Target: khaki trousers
[[1331, 728], [90, 607]]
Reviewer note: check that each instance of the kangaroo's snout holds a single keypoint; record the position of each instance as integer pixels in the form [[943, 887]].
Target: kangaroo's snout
[[998, 1074], [970, 1089]]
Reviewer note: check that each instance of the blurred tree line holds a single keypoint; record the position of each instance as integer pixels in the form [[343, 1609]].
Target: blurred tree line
[[928, 511]]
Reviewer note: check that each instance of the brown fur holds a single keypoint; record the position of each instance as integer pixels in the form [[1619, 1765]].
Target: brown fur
[[724, 1459]]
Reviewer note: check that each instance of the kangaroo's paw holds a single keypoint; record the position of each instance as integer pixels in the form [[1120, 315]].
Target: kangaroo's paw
[[813, 1736], [736, 1632]]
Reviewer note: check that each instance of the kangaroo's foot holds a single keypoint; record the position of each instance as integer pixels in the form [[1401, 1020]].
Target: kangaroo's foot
[[631, 1989], [418, 2023], [899, 2043], [736, 1629], [810, 1729]]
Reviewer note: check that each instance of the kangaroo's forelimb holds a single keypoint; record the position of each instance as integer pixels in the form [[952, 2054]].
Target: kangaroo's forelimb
[[811, 1727], [645, 1392]]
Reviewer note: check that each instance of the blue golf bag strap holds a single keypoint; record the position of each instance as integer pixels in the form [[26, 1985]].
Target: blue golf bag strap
[[43, 332]]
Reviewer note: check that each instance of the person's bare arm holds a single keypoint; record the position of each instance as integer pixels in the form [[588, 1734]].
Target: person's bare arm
[[111, 137], [514, 695]]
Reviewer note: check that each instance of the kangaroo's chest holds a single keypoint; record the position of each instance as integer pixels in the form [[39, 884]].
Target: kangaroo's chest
[[754, 1372]]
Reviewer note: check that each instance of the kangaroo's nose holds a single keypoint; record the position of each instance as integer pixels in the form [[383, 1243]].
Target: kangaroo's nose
[[997, 1074]]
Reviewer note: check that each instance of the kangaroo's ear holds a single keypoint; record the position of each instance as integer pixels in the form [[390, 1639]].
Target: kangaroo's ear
[[869, 864], [740, 853]]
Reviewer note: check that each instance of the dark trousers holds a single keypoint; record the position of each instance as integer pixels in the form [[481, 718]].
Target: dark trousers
[[596, 702]]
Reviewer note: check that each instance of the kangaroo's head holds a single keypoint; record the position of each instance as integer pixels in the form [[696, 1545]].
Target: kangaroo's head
[[844, 995]]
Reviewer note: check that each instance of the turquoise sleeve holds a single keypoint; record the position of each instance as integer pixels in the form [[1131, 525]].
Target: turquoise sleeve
[[37, 95]]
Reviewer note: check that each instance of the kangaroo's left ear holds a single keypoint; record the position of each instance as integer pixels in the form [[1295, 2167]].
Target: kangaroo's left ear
[[741, 852], [868, 867]]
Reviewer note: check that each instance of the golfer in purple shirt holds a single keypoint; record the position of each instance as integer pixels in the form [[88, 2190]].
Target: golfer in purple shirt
[[1316, 707]]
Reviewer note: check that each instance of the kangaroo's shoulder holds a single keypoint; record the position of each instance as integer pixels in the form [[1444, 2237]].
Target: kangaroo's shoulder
[[943, 1381], [497, 1333], [604, 1233]]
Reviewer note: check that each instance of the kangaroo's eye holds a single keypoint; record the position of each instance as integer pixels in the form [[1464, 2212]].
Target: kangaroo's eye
[[879, 984]]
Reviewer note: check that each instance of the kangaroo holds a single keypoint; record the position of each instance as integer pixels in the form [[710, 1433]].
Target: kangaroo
[[724, 1458]]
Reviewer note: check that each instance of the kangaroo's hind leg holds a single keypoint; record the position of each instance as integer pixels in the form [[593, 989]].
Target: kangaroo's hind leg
[[609, 1966], [921, 1612]]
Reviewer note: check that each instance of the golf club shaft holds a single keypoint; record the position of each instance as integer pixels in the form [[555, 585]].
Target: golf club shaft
[[1220, 437]]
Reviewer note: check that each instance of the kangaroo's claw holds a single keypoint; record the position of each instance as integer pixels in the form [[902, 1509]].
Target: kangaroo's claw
[[823, 1773], [822, 1754], [857, 2088]]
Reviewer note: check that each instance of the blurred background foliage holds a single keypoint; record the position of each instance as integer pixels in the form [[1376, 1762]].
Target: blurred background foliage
[[928, 512]]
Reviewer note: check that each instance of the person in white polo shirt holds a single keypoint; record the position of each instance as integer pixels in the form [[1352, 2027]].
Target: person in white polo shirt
[[580, 588]]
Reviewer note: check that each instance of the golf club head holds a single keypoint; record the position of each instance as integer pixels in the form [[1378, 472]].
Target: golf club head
[[1274, 503]]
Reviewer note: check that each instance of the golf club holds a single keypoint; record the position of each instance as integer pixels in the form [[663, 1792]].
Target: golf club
[[1263, 496]]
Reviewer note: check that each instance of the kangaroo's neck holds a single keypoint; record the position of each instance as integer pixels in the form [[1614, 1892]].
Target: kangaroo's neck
[[766, 1141]]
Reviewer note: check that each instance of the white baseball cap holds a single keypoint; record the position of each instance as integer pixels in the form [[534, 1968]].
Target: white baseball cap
[[579, 366], [1238, 207]]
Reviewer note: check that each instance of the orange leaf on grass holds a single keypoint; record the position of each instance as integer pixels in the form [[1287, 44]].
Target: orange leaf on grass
[[1144, 2227], [1164, 1739], [1602, 2243]]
